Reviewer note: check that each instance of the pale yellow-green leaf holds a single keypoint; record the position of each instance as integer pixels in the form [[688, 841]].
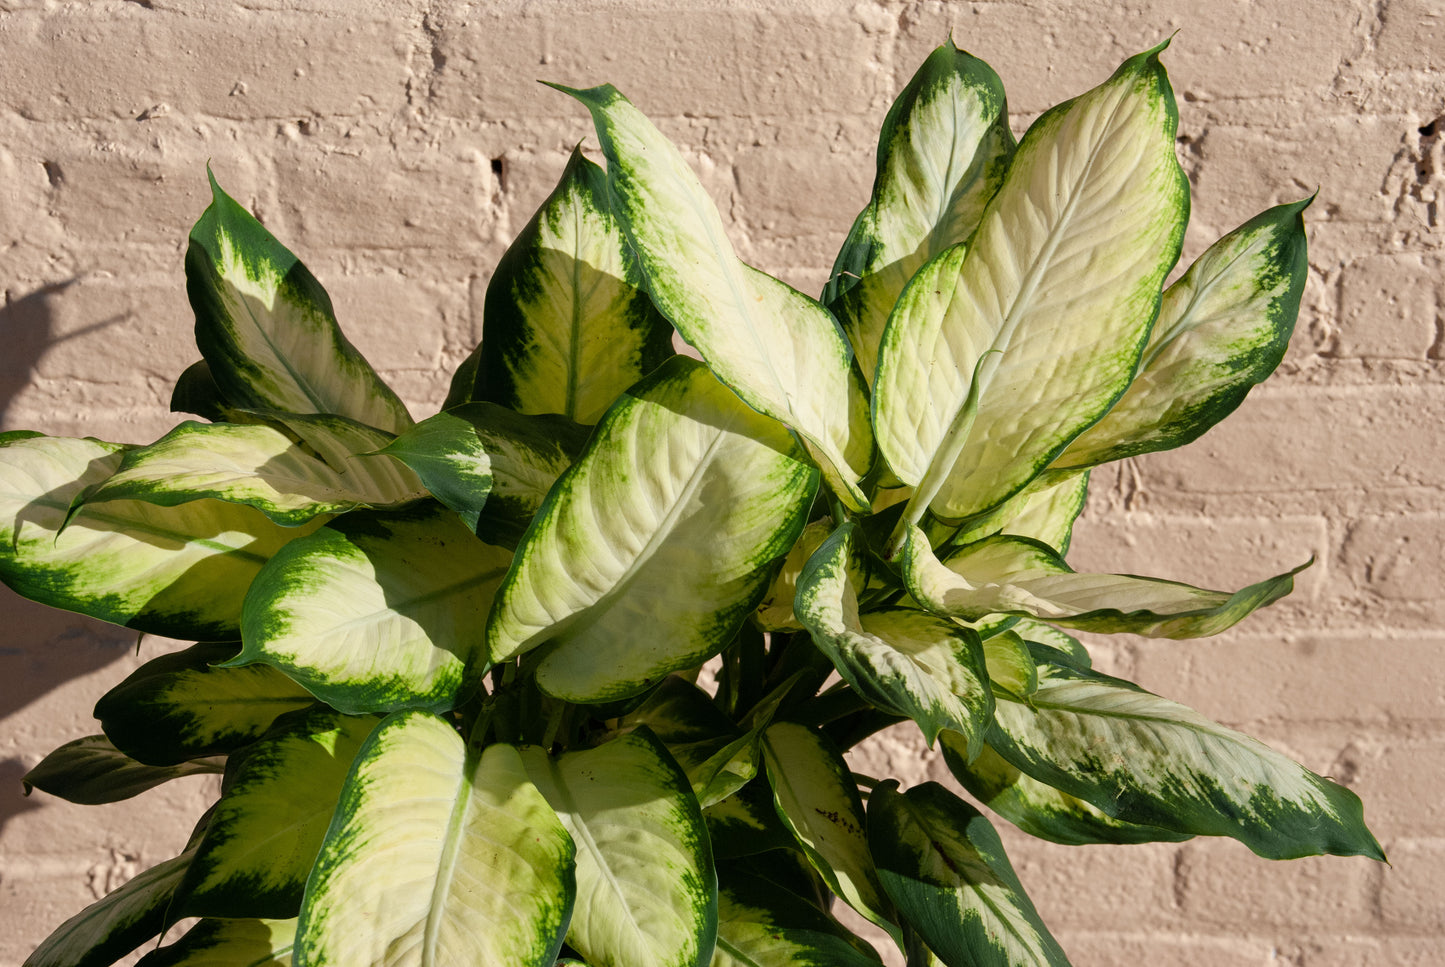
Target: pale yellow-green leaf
[[646, 889], [1222, 328], [263, 467], [781, 351], [1010, 575], [437, 857], [1048, 308], [377, 613], [175, 571], [941, 155], [816, 798], [657, 544]]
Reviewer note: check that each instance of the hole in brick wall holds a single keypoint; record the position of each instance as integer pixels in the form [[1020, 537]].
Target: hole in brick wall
[[1428, 130], [499, 171], [53, 174]]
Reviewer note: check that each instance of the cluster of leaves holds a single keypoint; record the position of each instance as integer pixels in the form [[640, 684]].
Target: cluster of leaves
[[449, 669]]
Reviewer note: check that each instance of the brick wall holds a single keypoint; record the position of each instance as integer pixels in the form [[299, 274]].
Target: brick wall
[[397, 146]]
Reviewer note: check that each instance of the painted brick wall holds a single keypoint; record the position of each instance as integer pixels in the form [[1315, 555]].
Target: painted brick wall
[[398, 144]]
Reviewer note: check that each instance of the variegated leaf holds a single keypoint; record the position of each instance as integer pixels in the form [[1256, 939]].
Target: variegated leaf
[[1044, 510], [746, 823], [1010, 666], [567, 325], [181, 705], [763, 925], [775, 611], [646, 888], [655, 546], [375, 613], [1222, 328], [175, 571], [782, 352], [276, 804], [1013, 575], [196, 392], [1048, 308], [490, 465], [1146, 760], [228, 943], [437, 856], [1038, 808], [900, 659], [944, 866], [263, 467], [91, 770], [816, 798], [117, 923], [267, 329], [1039, 632], [942, 153]]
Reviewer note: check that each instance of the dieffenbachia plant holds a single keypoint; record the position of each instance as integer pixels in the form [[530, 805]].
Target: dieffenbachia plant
[[449, 670]]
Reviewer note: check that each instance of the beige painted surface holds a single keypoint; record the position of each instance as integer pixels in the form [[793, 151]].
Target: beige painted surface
[[397, 146]]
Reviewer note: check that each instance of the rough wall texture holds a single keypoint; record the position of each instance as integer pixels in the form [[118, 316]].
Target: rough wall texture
[[398, 145]]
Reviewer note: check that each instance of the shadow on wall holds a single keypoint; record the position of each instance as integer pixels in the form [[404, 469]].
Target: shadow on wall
[[41, 648]]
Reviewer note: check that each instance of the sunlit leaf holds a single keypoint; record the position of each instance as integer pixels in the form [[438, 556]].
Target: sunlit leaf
[[567, 326], [267, 329], [782, 352], [637, 565], [437, 856], [646, 889], [944, 147]]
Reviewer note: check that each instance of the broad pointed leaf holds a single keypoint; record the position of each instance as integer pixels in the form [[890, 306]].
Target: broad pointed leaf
[[942, 153], [1222, 328], [901, 660], [490, 465], [1010, 665], [763, 925], [1144, 759], [228, 943], [267, 329], [375, 613], [175, 571], [944, 866], [1014, 575], [276, 804], [655, 546], [1044, 510], [646, 888], [117, 923], [263, 467], [437, 856], [567, 325], [1038, 808], [1060, 283], [816, 798], [782, 352], [91, 771], [181, 705]]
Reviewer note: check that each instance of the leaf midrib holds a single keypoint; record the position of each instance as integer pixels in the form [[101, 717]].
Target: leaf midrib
[[574, 819]]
